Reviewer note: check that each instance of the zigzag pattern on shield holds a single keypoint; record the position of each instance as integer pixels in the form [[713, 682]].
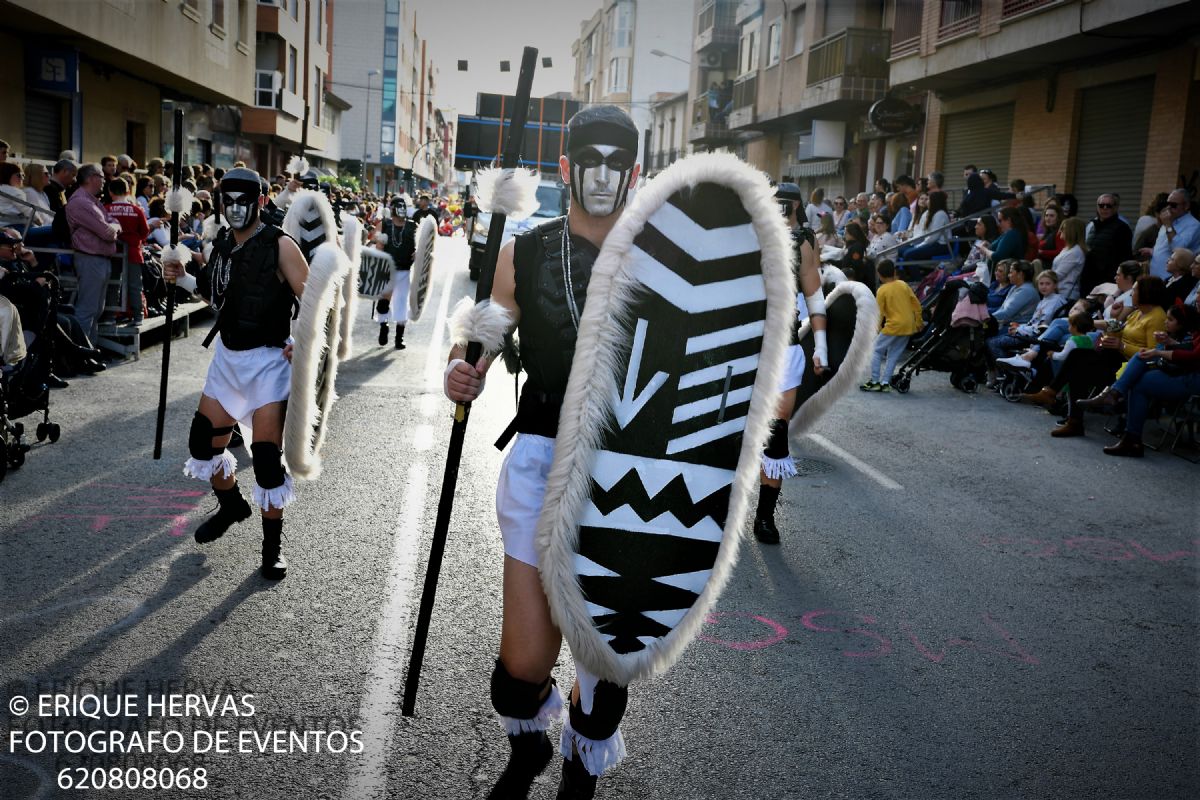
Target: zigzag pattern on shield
[[650, 532]]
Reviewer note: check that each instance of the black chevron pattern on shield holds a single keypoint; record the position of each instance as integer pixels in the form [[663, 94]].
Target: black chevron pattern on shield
[[693, 336], [312, 234]]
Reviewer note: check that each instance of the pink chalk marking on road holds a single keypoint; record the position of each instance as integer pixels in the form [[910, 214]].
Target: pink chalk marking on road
[[777, 635], [809, 621], [1014, 652], [1100, 548], [148, 502], [1163, 558], [100, 522]]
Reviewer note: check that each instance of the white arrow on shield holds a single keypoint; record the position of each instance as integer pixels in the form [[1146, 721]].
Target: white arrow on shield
[[628, 404]]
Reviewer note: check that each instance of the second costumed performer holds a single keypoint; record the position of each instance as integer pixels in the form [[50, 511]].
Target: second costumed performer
[[400, 242], [540, 287], [253, 278]]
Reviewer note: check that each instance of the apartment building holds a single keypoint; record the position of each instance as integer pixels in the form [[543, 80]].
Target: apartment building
[[287, 116], [669, 129], [385, 72], [1091, 97], [631, 53], [123, 66], [787, 84]]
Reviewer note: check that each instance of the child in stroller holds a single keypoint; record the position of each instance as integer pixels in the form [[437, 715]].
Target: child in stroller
[[954, 341]]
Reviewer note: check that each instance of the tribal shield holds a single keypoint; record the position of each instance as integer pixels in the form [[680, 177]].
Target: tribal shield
[[421, 276], [852, 319], [317, 331], [310, 221], [672, 387], [376, 276], [352, 247]]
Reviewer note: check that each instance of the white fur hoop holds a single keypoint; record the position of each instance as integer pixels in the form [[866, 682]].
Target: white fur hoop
[[512, 192], [866, 325], [593, 386], [484, 322], [297, 166], [316, 330], [179, 200]]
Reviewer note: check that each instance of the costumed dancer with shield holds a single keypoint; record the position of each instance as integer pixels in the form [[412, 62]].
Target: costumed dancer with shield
[[398, 234], [253, 278], [540, 286], [810, 302]]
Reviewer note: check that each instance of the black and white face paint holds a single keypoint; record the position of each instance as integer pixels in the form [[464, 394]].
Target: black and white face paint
[[241, 208], [600, 177]]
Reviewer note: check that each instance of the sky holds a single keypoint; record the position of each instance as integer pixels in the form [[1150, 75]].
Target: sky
[[485, 32]]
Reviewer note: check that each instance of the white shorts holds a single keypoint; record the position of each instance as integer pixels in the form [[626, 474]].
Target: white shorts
[[519, 494], [243, 381], [398, 308], [793, 368]]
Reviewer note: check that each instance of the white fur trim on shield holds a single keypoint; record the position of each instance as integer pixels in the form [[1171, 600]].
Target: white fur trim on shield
[[422, 268], [280, 497], [297, 166], [381, 238], [224, 463], [322, 295], [484, 322], [597, 757], [512, 192], [179, 200], [779, 468], [351, 246], [304, 202], [550, 711], [866, 323], [593, 386]]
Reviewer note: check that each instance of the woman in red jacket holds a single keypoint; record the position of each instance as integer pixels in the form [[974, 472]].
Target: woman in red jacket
[[1050, 242]]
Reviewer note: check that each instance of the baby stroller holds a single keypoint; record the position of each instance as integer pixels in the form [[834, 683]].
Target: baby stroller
[[24, 391], [957, 345]]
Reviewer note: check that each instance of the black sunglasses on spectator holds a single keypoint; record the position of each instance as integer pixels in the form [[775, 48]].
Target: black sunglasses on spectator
[[1176, 205], [1104, 205]]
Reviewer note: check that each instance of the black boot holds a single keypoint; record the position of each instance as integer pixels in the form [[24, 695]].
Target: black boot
[[577, 783], [399, 337], [274, 566], [764, 518], [531, 753], [232, 508], [383, 333]]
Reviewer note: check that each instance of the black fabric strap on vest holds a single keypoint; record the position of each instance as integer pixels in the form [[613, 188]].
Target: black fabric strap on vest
[[537, 413]]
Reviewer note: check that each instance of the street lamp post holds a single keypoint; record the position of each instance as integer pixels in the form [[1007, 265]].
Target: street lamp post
[[367, 127]]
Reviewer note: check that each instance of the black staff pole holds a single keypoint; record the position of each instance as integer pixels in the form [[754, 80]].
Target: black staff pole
[[176, 182], [462, 411]]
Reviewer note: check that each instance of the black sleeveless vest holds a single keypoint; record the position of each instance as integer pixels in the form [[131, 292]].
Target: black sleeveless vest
[[546, 329], [402, 244], [256, 307]]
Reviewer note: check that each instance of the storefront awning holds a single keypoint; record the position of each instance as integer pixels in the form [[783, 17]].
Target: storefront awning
[[816, 169]]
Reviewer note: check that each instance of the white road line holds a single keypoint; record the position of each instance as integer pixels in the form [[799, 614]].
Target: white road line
[[435, 358], [861, 466], [423, 438], [381, 698]]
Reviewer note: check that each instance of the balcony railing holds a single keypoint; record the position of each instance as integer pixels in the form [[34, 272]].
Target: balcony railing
[[1013, 8], [906, 28], [958, 17], [850, 53], [717, 27], [708, 124], [745, 92]]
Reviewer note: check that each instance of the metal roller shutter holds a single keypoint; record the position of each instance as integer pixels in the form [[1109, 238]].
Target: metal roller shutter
[[982, 138], [43, 126], [838, 15], [1114, 129]]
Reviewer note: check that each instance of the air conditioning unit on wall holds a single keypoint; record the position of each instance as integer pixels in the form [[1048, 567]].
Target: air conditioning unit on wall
[[712, 60]]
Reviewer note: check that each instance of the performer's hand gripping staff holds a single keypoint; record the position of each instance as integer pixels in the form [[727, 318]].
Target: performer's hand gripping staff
[[474, 354], [179, 201]]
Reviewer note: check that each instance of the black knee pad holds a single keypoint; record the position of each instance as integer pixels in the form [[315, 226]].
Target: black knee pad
[[268, 464], [383, 305], [777, 444], [513, 697], [200, 438], [608, 706]]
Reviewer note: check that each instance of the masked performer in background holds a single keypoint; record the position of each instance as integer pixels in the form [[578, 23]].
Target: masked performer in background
[[400, 243], [253, 277], [540, 286], [810, 302]]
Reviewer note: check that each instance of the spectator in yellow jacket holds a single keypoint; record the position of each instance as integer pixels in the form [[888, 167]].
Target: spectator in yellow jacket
[[901, 314]]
